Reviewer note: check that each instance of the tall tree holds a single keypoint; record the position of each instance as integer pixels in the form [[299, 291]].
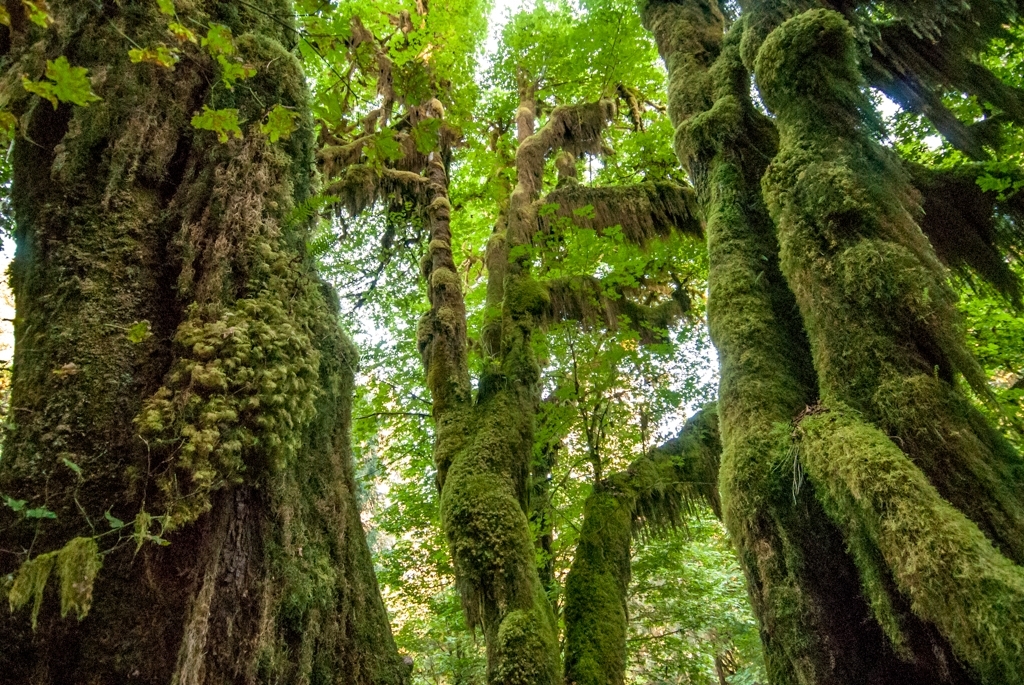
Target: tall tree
[[179, 364], [817, 255], [484, 440]]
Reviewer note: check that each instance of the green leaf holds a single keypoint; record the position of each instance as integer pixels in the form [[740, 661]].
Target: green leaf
[[14, 504], [73, 466], [160, 55], [8, 126], [40, 513], [40, 88], [69, 84], [138, 332], [233, 71], [426, 135], [114, 522], [383, 148], [166, 7], [37, 13], [279, 123], [182, 32], [586, 212], [223, 122], [218, 41]]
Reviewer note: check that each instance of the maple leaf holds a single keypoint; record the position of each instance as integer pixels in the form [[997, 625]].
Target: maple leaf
[[279, 123], [223, 122]]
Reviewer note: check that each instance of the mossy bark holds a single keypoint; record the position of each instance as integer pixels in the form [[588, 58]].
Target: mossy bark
[[650, 494], [174, 344], [886, 345], [817, 624]]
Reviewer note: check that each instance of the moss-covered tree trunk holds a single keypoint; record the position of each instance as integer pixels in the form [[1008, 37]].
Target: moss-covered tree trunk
[[846, 568], [178, 367], [651, 494], [484, 444]]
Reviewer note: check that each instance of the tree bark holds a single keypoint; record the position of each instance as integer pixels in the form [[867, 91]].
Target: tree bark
[[178, 366]]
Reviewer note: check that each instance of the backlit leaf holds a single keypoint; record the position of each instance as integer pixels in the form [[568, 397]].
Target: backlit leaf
[[279, 123], [223, 122], [160, 55]]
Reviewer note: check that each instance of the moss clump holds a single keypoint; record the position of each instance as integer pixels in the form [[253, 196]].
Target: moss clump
[[30, 583], [77, 564]]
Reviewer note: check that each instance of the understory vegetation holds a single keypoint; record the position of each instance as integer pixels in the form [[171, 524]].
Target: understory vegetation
[[571, 341]]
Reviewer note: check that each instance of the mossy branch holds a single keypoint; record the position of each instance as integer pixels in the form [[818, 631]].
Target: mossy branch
[[575, 129], [359, 186], [590, 301], [644, 211], [889, 512]]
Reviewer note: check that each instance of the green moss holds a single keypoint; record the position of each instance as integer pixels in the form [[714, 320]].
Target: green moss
[[648, 496], [813, 631], [241, 395], [78, 562], [30, 583], [886, 344], [595, 593], [939, 559]]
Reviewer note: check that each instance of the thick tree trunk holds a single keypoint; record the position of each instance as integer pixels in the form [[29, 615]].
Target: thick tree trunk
[[882, 325], [828, 563], [178, 364]]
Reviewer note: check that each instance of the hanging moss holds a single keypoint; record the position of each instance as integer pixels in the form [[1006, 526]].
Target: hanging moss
[[30, 584], [589, 301], [960, 221], [643, 211]]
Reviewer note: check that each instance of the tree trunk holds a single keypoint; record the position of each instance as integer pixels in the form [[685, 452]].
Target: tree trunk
[[652, 493], [484, 445], [829, 560], [179, 366]]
